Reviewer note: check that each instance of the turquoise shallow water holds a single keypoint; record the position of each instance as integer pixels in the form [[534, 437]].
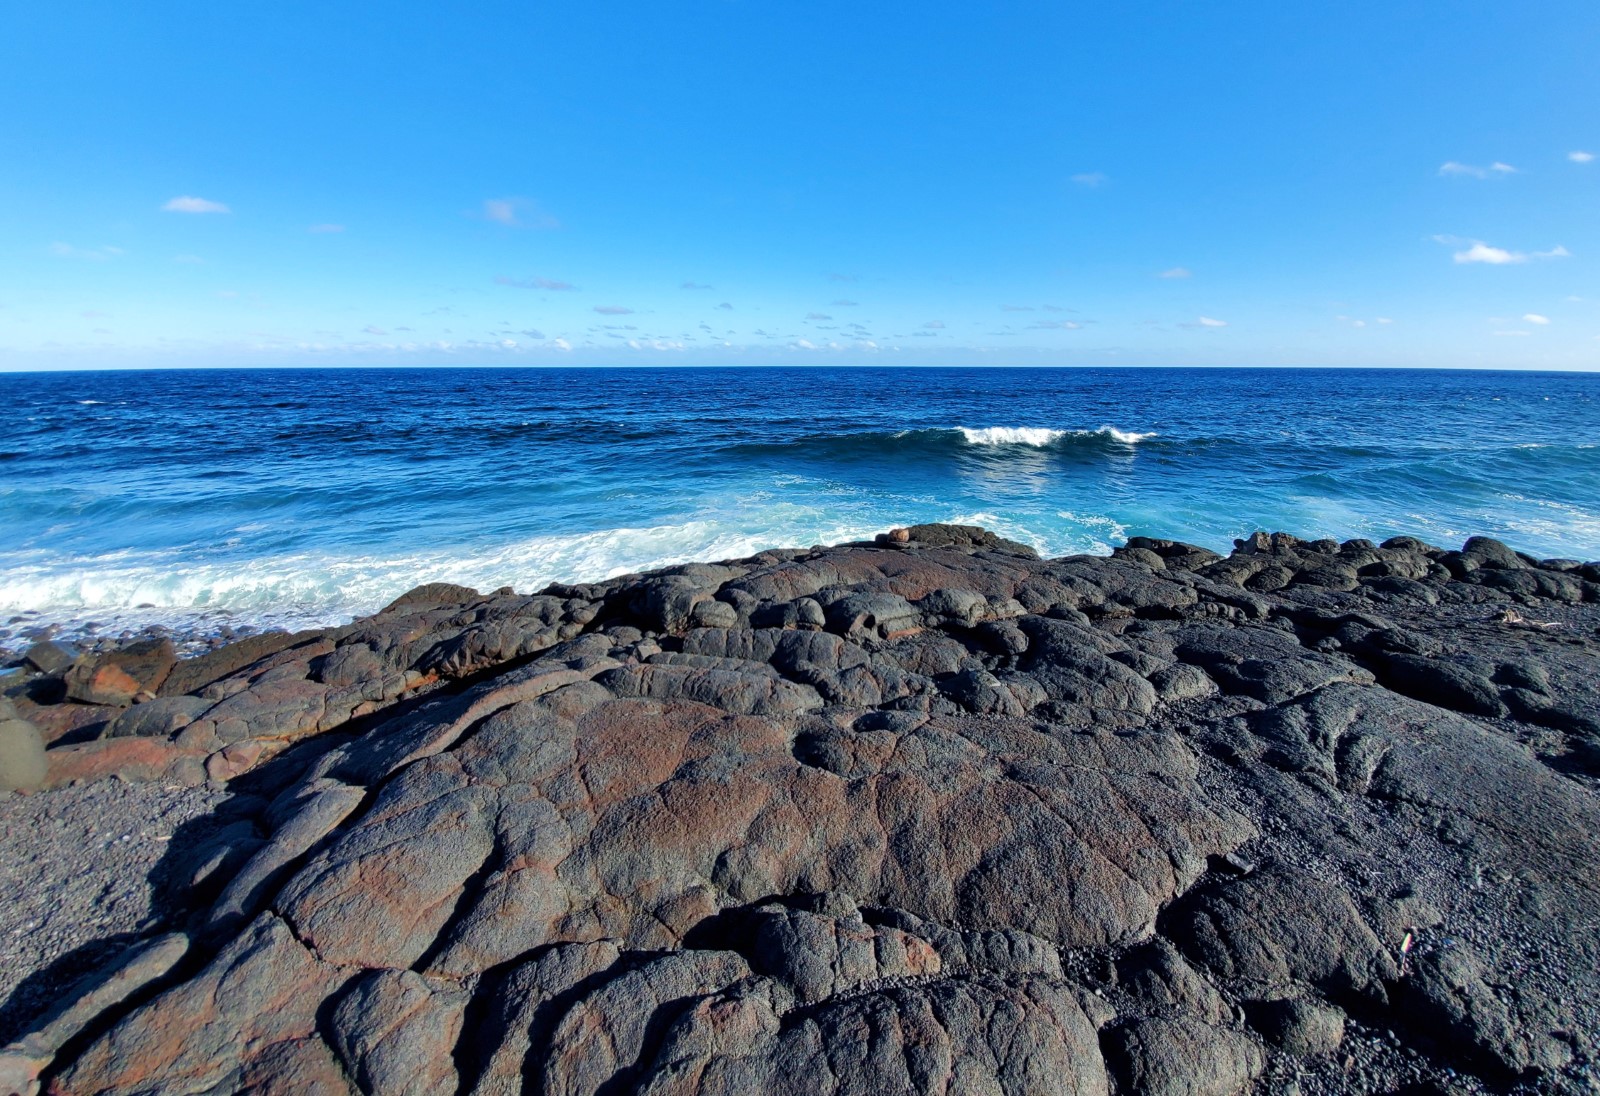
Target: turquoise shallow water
[[299, 496]]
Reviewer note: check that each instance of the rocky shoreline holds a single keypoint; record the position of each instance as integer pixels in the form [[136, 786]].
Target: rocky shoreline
[[924, 814]]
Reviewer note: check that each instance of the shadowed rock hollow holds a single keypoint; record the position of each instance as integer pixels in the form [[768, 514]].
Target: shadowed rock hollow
[[922, 815]]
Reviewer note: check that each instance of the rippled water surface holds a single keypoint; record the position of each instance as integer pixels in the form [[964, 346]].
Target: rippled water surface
[[308, 496]]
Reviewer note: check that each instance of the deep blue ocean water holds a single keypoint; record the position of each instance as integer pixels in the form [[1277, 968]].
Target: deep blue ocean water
[[308, 496]]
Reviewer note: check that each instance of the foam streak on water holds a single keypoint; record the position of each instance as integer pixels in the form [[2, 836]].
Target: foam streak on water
[[307, 497]]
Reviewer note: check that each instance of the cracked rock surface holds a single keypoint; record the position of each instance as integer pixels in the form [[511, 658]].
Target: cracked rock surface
[[927, 814]]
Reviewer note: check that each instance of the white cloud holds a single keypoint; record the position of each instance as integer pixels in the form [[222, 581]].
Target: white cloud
[[1534, 317], [1495, 256], [534, 283], [1091, 179], [1479, 252], [372, 329], [561, 344], [1581, 157], [1496, 168], [1175, 272], [326, 228], [1207, 321], [93, 254], [805, 344], [1385, 319], [934, 325], [517, 213], [190, 204]]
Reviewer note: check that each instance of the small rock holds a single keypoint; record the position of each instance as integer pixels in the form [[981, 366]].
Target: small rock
[[1298, 1025], [22, 761], [50, 657]]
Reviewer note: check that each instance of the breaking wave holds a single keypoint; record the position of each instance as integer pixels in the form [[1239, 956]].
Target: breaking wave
[[953, 441], [1044, 438]]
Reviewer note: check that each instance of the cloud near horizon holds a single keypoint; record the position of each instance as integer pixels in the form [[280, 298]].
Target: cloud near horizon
[[189, 204], [613, 310]]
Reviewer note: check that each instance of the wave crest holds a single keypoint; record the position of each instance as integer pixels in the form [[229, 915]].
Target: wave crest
[[1041, 437]]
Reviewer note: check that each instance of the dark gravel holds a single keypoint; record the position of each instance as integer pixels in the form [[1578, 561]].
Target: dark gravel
[[79, 881]]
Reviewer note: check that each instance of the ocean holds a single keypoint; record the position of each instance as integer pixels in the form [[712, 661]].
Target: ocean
[[197, 500]]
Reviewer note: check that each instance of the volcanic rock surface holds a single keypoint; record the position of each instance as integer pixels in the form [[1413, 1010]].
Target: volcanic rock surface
[[925, 815]]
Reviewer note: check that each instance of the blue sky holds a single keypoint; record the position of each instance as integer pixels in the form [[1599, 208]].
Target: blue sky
[[736, 181]]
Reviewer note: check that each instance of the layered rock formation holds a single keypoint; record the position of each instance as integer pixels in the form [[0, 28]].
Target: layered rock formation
[[922, 815]]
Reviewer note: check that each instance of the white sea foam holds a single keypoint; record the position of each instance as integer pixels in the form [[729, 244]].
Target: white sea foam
[[88, 403], [1041, 437], [126, 590]]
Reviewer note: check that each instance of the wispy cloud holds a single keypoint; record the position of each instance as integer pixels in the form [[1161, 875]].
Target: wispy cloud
[[1055, 325], [934, 325], [725, 306], [843, 304], [1175, 272], [1206, 321], [1453, 167], [1017, 308], [373, 329], [1091, 178], [93, 254], [613, 310], [1477, 251], [694, 285], [323, 229], [1578, 156], [1535, 318], [841, 277], [534, 283], [817, 316], [517, 213], [188, 203], [1514, 334]]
